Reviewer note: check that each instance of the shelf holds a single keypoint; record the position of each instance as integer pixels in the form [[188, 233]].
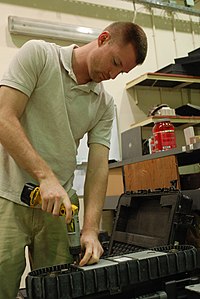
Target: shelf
[[176, 120], [165, 80], [185, 156]]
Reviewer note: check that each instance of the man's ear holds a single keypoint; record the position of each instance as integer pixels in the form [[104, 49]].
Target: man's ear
[[103, 38]]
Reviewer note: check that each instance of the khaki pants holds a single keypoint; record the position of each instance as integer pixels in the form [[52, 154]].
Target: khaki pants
[[44, 234]]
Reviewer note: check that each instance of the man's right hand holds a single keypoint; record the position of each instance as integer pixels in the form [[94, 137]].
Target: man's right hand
[[53, 195]]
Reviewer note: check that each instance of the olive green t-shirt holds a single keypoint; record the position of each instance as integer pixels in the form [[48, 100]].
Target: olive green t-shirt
[[58, 114]]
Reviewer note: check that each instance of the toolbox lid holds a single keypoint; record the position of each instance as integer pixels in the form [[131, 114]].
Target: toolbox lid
[[150, 220]]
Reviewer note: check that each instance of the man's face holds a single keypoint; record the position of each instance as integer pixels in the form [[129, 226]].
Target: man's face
[[110, 59]]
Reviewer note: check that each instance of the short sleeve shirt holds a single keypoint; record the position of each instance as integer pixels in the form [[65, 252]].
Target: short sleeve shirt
[[58, 114]]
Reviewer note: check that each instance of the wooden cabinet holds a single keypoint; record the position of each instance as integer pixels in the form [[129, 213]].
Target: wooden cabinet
[[115, 182], [151, 174], [151, 171]]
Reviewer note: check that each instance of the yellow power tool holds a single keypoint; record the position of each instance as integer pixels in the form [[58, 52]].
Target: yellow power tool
[[31, 196]]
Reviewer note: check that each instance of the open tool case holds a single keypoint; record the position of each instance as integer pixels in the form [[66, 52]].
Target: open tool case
[[149, 218], [142, 258]]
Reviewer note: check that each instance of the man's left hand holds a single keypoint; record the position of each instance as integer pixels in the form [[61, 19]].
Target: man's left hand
[[91, 247]]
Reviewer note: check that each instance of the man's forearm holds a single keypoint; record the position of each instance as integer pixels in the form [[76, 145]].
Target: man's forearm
[[93, 202], [94, 193]]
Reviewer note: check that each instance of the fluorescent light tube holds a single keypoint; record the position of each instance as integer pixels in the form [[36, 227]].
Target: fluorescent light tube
[[44, 29]]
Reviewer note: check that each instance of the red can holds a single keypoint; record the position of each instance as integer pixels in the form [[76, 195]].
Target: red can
[[164, 135]]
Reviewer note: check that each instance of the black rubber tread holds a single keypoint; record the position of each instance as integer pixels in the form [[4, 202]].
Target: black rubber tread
[[67, 281]]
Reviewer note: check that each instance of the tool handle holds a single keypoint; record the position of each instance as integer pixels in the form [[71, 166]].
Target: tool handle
[[31, 196], [62, 211]]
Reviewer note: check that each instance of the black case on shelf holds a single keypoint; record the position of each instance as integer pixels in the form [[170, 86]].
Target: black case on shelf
[[188, 65]]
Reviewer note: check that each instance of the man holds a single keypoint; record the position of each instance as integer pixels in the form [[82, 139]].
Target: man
[[50, 97]]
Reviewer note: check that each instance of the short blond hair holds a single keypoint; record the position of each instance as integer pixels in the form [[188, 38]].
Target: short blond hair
[[128, 32]]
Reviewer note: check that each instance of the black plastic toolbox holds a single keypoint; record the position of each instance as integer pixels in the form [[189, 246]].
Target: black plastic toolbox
[[147, 218], [138, 262], [120, 277]]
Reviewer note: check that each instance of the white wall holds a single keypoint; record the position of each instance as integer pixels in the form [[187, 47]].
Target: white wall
[[169, 36]]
